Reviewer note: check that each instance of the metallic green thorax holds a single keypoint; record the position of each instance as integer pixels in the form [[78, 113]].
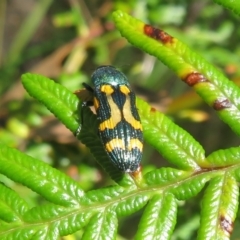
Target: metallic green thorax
[[108, 75]]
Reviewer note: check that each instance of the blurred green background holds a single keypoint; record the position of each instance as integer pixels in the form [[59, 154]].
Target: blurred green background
[[66, 40]]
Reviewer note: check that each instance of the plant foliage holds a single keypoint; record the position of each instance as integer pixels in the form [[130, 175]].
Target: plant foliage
[[68, 208]]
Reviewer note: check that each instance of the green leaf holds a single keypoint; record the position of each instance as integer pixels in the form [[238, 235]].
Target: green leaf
[[219, 208], [159, 218], [40, 177], [73, 221], [59, 220], [128, 205], [51, 219], [237, 174], [191, 186], [45, 233], [59, 100], [45, 212], [233, 5], [183, 185], [175, 144], [103, 195], [18, 233], [11, 205], [102, 225], [163, 176], [224, 158], [215, 89]]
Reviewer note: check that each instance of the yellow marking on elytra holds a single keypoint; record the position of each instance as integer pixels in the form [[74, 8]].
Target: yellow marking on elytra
[[115, 116], [116, 112], [135, 143], [115, 143], [124, 89], [95, 103], [128, 115], [107, 89], [119, 143]]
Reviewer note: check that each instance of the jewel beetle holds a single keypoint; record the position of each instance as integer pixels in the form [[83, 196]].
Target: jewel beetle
[[120, 128]]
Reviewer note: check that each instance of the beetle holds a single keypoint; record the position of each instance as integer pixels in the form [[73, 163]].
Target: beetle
[[120, 128]]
